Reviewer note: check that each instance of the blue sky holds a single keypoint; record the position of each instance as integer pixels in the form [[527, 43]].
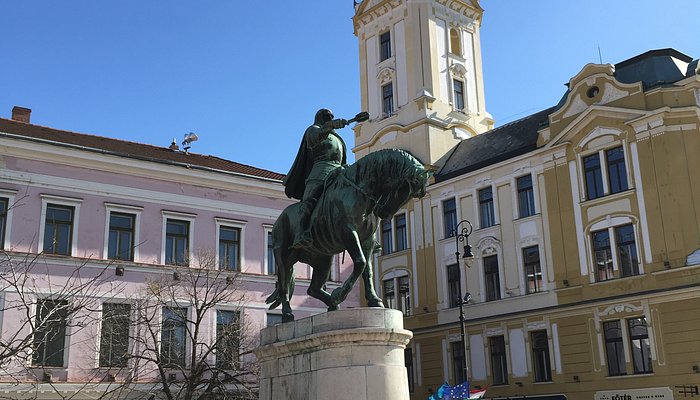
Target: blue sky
[[247, 77]]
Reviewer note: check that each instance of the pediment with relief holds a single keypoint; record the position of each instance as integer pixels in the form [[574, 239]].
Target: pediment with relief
[[595, 84], [593, 88]]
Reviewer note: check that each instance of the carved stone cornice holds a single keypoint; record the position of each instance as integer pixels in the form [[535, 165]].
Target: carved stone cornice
[[372, 10], [469, 9]]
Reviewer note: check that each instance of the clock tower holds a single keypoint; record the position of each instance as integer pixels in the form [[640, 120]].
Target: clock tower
[[420, 74]]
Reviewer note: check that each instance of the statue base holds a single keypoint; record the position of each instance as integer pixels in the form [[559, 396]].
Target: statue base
[[354, 354]]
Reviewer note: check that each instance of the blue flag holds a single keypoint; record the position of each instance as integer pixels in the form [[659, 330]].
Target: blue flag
[[443, 390], [460, 391]]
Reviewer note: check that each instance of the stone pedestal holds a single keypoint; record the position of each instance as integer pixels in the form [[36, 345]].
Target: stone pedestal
[[355, 354]]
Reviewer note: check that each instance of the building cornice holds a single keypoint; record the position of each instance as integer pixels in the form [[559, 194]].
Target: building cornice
[[75, 156]]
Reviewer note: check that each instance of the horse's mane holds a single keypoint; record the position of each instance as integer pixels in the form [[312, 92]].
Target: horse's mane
[[394, 163]]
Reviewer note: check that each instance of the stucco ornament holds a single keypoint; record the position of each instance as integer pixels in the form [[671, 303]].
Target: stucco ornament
[[340, 210]]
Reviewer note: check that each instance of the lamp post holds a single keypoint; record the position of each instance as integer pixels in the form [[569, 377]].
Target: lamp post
[[462, 235]]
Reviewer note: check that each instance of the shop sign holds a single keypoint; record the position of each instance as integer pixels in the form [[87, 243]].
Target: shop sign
[[664, 393]]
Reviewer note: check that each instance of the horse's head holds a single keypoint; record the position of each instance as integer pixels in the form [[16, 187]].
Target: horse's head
[[410, 184]]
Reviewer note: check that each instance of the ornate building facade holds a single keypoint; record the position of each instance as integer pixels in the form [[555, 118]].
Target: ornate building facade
[[90, 217], [586, 231]]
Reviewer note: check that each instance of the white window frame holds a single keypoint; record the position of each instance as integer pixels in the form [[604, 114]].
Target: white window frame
[[394, 275], [10, 196], [231, 223], [609, 224], [132, 332], [516, 199], [190, 236], [47, 199], [477, 204], [392, 49], [267, 230], [241, 322], [600, 150], [521, 263], [123, 209], [188, 329], [66, 339]]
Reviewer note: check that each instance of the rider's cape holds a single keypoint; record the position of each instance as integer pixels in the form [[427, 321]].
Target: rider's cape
[[295, 181]]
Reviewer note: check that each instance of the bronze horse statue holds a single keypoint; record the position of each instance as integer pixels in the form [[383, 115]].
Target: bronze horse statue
[[345, 218]]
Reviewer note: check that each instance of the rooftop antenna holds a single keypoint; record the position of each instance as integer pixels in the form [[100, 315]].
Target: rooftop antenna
[[600, 57], [186, 142]]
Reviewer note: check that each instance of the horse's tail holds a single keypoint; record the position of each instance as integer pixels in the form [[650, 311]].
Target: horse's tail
[[274, 298]]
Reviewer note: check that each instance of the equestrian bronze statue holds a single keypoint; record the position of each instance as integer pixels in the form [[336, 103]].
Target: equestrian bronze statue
[[340, 210]]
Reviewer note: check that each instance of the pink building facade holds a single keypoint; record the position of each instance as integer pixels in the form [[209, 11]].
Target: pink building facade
[[132, 213]]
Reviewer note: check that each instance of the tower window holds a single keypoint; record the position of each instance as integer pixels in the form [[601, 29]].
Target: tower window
[[384, 46], [459, 94], [388, 99], [455, 43]]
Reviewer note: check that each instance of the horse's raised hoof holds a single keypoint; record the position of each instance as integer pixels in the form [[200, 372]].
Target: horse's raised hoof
[[375, 303], [287, 317]]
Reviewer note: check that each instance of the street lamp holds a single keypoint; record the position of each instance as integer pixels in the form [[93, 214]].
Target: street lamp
[[462, 235]]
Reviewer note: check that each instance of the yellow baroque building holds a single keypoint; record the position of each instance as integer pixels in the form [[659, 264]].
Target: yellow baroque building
[[585, 280]]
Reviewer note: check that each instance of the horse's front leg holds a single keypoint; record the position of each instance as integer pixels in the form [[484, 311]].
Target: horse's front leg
[[367, 276], [352, 244]]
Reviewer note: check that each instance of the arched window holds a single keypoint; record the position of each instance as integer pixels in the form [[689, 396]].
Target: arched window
[[455, 43]]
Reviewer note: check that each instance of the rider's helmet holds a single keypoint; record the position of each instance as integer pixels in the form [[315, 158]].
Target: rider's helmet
[[322, 116]]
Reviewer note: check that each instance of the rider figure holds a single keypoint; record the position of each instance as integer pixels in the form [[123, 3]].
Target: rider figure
[[321, 153]]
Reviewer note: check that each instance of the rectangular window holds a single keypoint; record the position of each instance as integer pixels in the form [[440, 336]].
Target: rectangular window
[[388, 99], [614, 349], [49, 333], [271, 266], [389, 293], [404, 295], [177, 242], [228, 339], [58, 229], [499, 368], [493, 281], [114, 335], [540, 356], [602, 256], [173, 336], [453, 284], [121, 236], [384, 46], [408, 362], [386, 237], [458, 362], [449, 217], [486, 214], [533, 270], [594, 176], [526, 196], [626, 250], [229, 248], [459, 94], [401, 233], [3, 221], [617, 172], [641, 348]]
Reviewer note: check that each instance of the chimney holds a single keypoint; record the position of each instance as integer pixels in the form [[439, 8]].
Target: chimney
[[21, 114]]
